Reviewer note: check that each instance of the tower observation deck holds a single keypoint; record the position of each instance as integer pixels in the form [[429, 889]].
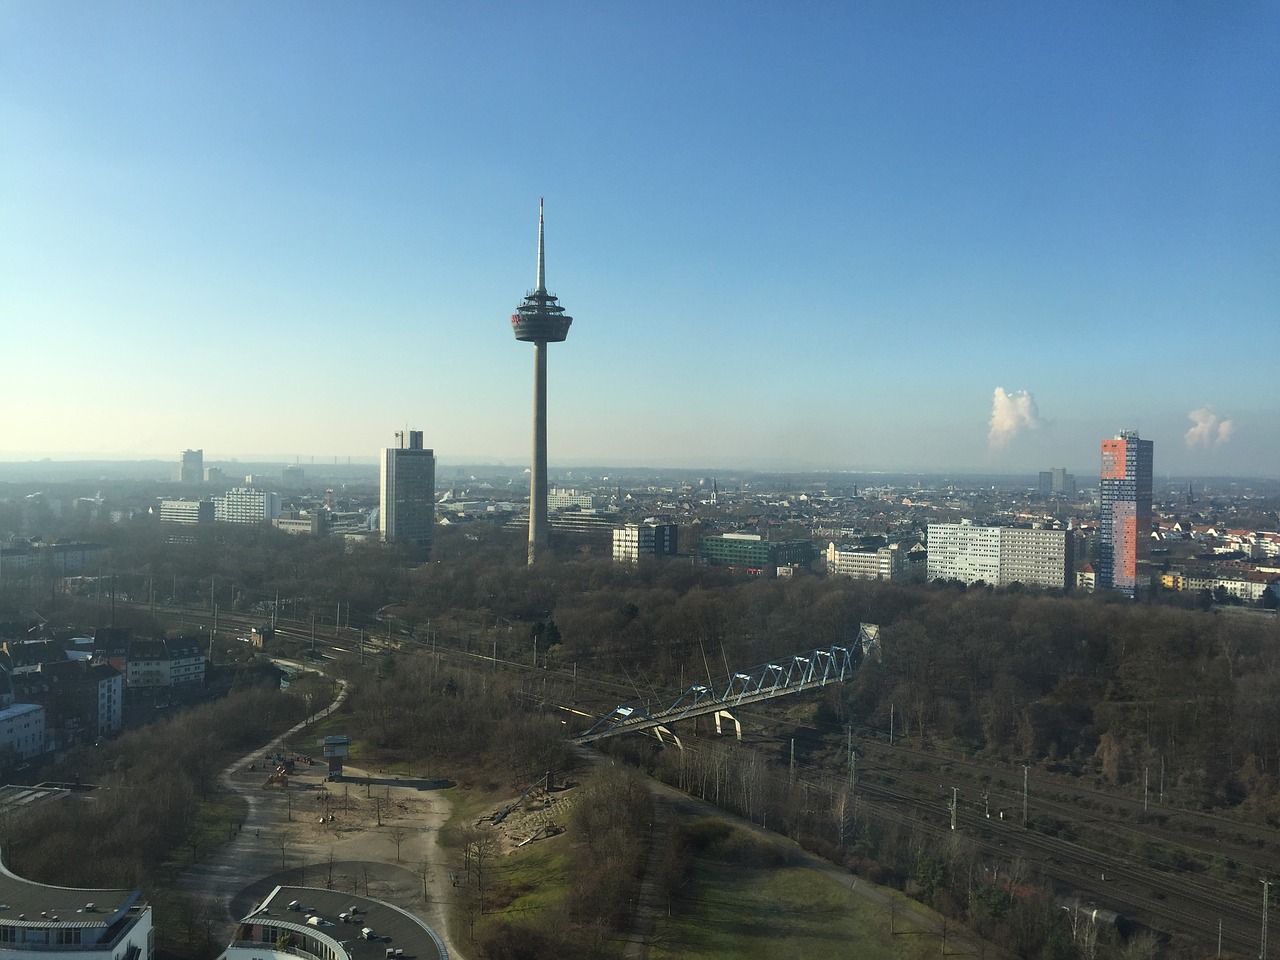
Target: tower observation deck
[[539, 320]]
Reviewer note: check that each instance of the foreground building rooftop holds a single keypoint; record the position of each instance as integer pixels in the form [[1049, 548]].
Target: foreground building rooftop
[[308, 922], [72, 921]]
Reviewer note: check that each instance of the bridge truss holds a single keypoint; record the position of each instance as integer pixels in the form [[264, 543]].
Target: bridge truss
[[816, 668]]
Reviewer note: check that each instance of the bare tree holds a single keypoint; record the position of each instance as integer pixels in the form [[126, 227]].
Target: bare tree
[[397, 835], [424, 872], [484, 849]]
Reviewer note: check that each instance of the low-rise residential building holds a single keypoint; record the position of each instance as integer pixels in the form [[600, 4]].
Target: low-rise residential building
[[752, 552], [889, 562], [186, 511], [559, 499], [82, 701], [1249, 586], [164, 663], [21, 731], [1085, 577], [301, 523]]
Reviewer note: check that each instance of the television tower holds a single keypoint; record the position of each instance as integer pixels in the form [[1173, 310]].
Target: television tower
[[539, 320]]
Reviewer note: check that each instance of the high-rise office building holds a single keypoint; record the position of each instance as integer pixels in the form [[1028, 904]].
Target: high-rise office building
[[407, 505], [1057, 482], [191, 468], [1124, 524]]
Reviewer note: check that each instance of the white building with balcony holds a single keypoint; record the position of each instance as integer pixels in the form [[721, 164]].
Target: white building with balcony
[[67, 923]]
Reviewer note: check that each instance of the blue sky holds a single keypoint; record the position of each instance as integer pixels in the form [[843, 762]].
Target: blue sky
[[951, 236]]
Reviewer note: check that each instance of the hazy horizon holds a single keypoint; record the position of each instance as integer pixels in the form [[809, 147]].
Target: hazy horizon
[[322, 466], [972, 238]]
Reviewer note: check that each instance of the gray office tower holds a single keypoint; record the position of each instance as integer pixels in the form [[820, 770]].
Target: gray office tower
[[539, 320], [407, 505]]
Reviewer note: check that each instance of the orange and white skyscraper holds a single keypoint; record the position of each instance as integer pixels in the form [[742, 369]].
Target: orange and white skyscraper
[[1124, 534]]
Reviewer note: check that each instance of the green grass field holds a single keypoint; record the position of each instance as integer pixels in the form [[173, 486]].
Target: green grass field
[[732, 910]]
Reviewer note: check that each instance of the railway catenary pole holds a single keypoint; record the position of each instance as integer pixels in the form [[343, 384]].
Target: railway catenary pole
[[1266, 889], [1026, 768]]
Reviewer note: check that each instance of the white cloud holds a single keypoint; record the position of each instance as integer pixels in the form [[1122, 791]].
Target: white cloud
[[1011, 413], [1207, 429]]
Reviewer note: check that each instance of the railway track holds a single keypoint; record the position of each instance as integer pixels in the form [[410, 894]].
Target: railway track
[[908, 785]]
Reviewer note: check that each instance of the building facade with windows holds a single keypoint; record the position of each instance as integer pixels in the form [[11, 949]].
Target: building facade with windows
[[186, 511], [882, 563], [407, 501], [313, 923], [246, 505], [22, 731], [999, 556], [191, 466], [558, 499], [67, 923], [632, 541], [163, 663], [1056, 482], [1124, 515], [752, 552]]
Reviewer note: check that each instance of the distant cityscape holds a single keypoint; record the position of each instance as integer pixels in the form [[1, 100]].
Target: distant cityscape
[[1121, 531]]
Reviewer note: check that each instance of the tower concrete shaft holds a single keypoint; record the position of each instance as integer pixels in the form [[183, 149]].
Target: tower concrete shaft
[[539, 532], [539, 320]]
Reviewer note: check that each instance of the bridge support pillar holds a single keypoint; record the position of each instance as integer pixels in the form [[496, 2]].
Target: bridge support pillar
[[666, 735], [728, 716]]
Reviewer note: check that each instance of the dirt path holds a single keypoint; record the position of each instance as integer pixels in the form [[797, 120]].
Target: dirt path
[[373, 835]]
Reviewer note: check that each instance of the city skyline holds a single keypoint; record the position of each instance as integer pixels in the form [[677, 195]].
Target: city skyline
[[974, 238]]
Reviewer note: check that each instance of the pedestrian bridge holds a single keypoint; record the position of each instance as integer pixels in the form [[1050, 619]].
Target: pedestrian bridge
[[803, 671]]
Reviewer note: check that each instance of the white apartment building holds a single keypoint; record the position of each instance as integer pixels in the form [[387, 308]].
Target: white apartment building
[[1035, 556], [964, 552], [164, 663], [66, 923], [649, 539], [558, 499], [110, 684], [883, 563], [999, 556], [246, 505], [186, 511], [22, 733]]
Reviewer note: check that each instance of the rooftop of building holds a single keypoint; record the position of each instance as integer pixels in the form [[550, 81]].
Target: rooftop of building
[[30, 904], [392, 928]]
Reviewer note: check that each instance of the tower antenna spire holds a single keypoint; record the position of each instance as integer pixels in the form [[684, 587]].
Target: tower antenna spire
[[542, 260]]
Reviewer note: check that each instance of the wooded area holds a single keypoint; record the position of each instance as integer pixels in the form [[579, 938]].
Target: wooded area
[[1101, 689]]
